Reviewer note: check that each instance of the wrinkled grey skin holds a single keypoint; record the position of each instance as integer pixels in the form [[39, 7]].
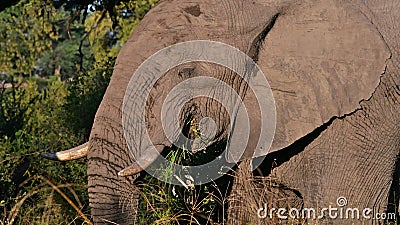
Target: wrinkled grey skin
[[351, 153]]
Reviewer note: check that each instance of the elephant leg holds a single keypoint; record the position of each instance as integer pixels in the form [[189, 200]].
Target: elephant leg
[[354, 157], [252, 197]]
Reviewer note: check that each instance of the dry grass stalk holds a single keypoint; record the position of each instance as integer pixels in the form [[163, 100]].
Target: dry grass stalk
[[39, 188]]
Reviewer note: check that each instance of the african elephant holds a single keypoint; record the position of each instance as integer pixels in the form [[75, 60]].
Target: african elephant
[[333, 68]]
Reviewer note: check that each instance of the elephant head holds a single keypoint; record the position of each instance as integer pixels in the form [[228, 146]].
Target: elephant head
[[321, 60]]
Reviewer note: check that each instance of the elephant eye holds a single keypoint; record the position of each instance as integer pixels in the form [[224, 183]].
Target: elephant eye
[[186, 72]]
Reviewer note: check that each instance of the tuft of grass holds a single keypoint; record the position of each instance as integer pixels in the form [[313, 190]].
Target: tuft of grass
[[46, 203], [164, 203]]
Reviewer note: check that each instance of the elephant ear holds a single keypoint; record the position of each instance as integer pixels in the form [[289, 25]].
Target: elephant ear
[[322, 59]]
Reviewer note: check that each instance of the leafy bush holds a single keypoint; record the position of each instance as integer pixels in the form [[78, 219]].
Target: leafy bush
[[60, 68], [37, 127]]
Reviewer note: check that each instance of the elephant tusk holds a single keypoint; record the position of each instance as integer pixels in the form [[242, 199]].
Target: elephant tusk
[[68, 155], [130, 170], [146, 160]]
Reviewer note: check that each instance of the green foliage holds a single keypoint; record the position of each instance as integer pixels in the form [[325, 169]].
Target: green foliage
[[106, 36], [131, 14], [40, 130], [26, 32], [85, 94], [104, 41], [61, 64], [14, 110], [163, 203]]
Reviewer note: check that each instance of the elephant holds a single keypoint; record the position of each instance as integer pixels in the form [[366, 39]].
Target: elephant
[[333, 68]]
